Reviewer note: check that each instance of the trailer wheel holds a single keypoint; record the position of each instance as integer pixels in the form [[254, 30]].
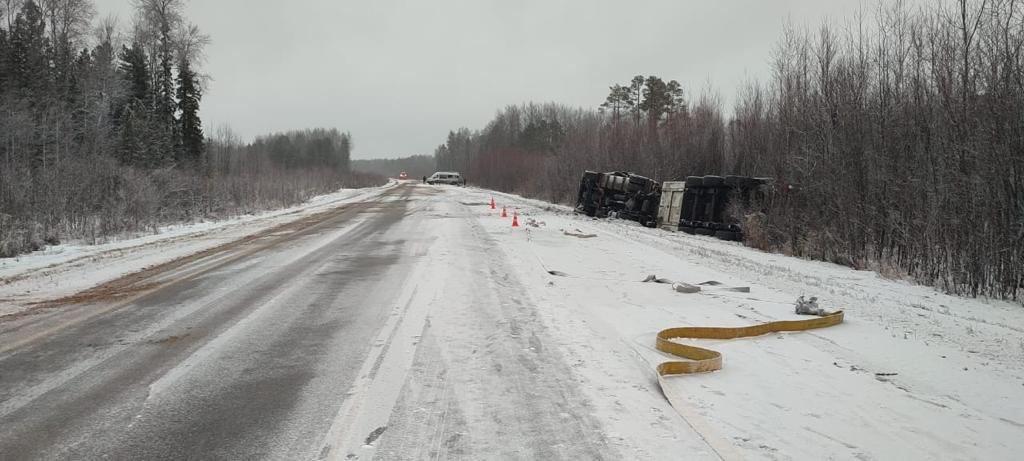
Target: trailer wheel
[[728, 236], [687, 230], [704, 231], [694, 181]]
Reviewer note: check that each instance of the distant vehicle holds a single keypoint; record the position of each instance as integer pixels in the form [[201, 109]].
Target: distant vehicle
[[403, 176], [446, 177]]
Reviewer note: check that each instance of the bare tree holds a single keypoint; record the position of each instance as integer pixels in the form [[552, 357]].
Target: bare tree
[[69, 20]]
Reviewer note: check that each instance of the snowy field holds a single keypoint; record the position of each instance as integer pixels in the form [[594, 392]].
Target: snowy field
[[912, 374]]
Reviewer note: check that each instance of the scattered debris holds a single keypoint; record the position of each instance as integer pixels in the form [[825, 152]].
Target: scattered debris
[[685, 288], [654, 279], [534, 223], [578, 234], [810, 307], [558, 273], [375, 435]]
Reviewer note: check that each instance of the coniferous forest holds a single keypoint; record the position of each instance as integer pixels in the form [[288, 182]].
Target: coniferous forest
[[898, 134], [101, 130]]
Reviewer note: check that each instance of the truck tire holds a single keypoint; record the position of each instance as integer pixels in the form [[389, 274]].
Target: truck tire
[[694, 181], [728, 236], [704, 231], [687, 230]]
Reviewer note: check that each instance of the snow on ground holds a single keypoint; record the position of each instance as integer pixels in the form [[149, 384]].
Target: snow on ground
[[912, 374], [72, 267]]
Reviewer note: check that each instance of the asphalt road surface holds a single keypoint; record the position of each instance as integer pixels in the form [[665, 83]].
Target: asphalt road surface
[[380, 329]]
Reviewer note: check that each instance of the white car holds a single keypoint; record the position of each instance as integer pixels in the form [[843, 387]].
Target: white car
[[444, 177]]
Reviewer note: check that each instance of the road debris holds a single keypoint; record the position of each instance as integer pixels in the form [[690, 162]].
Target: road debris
[[810, 307]]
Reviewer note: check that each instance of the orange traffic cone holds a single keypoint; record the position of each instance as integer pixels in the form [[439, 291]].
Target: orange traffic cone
[[504, 212], [515, 220], [494, 206]]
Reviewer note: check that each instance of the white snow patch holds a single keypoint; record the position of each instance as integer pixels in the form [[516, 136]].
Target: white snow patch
[[913, 373]]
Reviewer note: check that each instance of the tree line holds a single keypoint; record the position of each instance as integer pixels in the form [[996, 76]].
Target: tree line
[[275, 171], [416, 166], [101, 133], [896, 143]]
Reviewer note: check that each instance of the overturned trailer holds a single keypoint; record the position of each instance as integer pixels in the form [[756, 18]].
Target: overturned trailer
[[619, 194], [704, 209]]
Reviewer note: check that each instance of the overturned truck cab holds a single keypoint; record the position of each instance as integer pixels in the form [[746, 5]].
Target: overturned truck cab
[[619, 194]]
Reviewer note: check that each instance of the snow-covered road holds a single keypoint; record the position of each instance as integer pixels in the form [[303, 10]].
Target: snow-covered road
[[413, 322]]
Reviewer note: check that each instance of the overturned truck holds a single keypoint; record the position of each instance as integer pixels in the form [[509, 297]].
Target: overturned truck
[[700, 205], [619, 194]]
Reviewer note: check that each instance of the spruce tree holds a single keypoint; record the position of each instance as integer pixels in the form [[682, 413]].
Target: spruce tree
[[29, 79], [4, 61], [190, 125], [167, 136], [132, 115], [28, 51], [136, 72]]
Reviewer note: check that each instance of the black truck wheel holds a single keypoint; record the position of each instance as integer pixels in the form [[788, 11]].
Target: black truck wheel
[[728, 236]]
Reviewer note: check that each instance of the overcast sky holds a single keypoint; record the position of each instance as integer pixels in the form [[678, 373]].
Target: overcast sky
[[398, 74]]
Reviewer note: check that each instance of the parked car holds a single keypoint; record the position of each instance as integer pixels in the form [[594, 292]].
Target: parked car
[[446, 177]]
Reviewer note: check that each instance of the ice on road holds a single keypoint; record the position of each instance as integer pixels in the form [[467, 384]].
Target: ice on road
[[414, 322]]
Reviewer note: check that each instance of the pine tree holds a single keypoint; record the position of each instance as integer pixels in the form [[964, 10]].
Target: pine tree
[[5, 66], [29, 80], [135, 70], [28, 63], [102, 87], [678, 100], [619, 100], [636, 87], [133, 114], [190, 125], [167, 134], [657, 99], [4, 61]]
